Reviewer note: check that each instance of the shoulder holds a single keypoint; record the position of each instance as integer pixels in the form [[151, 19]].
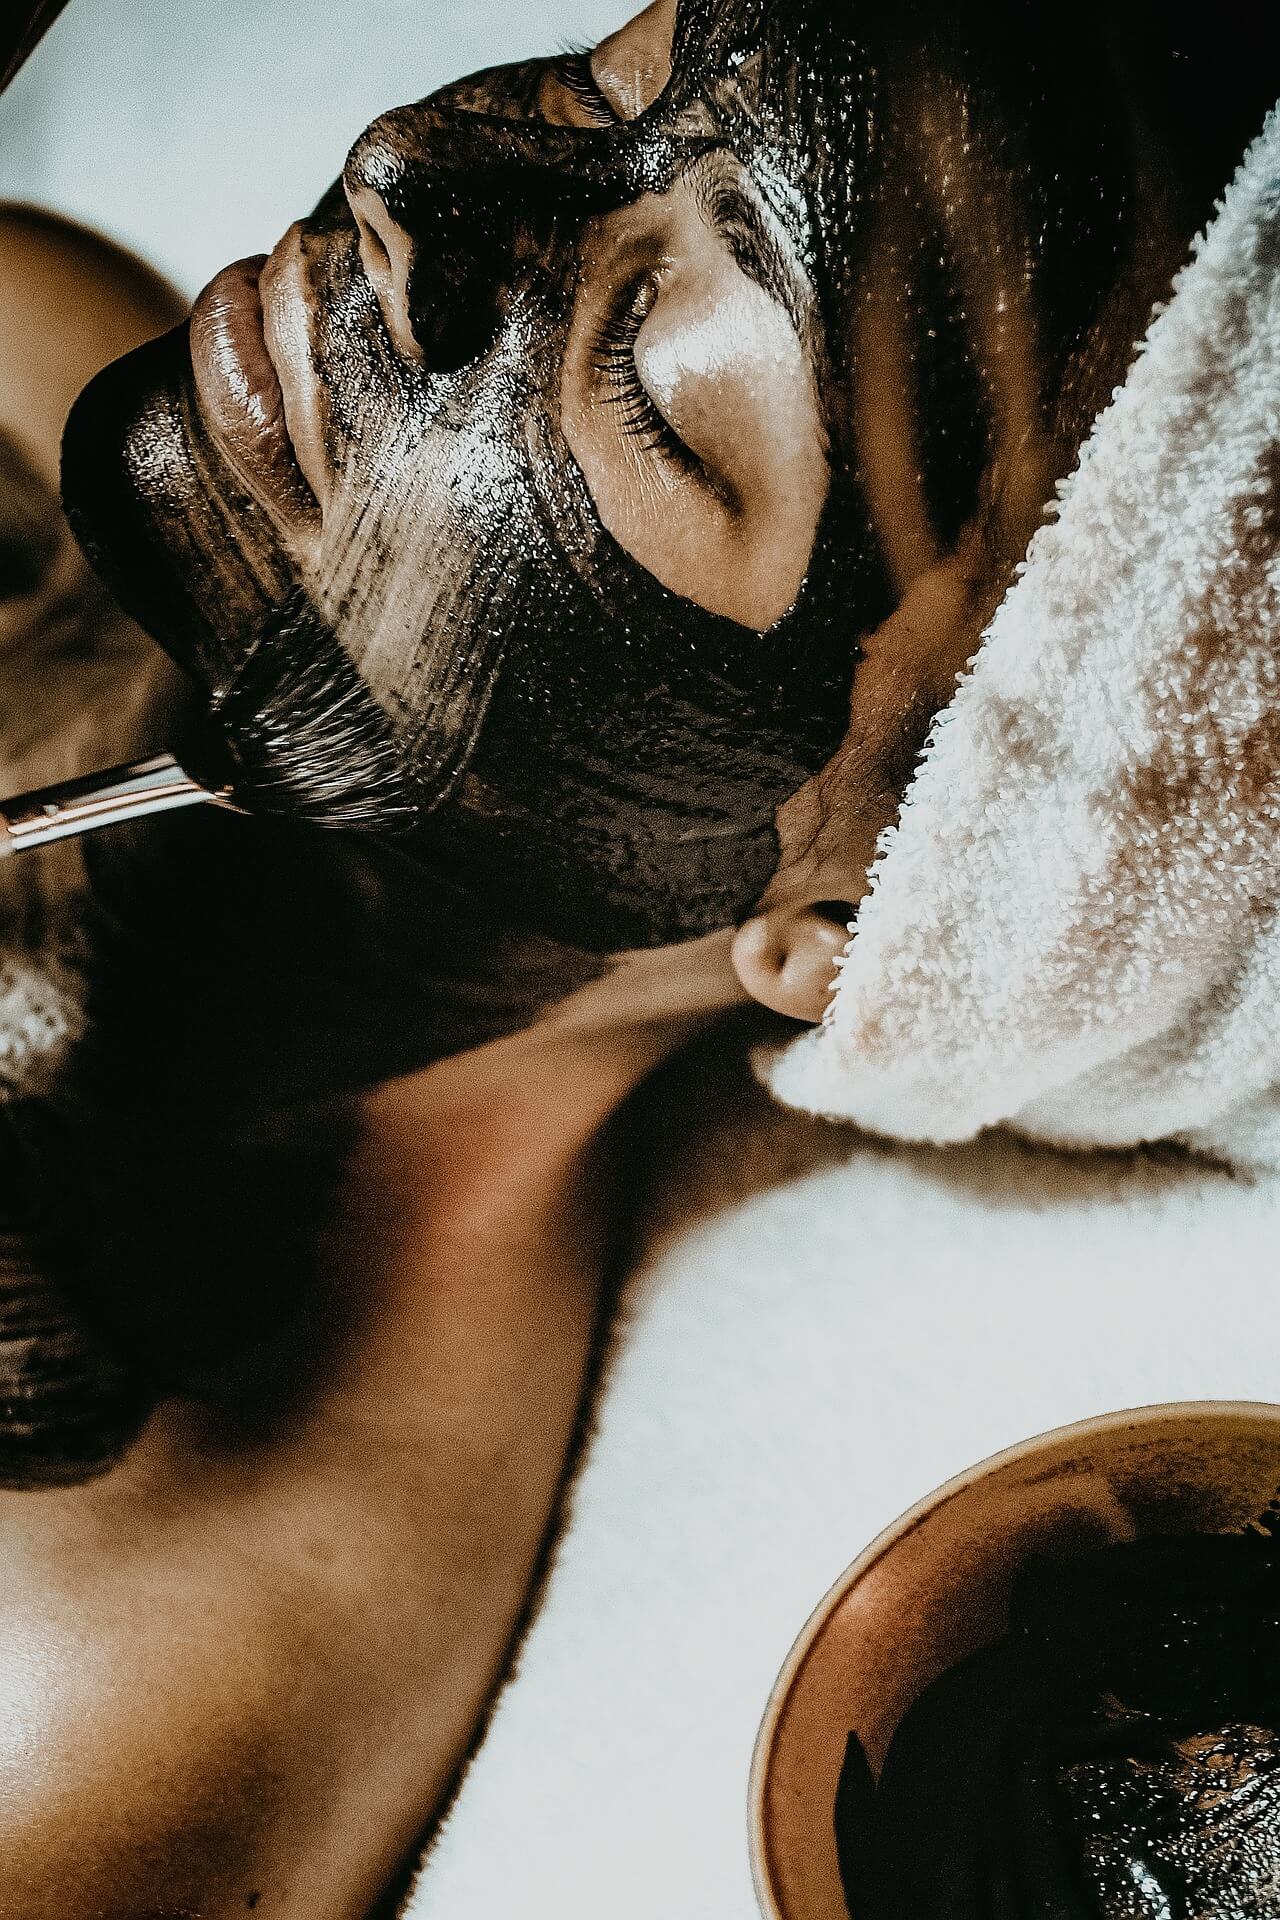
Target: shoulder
[[162, 1749], [70, 301]]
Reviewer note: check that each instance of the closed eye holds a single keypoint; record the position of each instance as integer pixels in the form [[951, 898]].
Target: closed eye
[[573, 71], [689, 403], [613, 358]]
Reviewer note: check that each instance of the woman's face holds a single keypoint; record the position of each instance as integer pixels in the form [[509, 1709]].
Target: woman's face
[[526, 417]]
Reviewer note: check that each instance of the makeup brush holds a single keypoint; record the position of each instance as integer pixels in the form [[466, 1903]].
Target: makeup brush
[[129, 792], [292, 731]]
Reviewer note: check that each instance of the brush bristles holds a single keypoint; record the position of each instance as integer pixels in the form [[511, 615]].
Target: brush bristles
[[307, 737]]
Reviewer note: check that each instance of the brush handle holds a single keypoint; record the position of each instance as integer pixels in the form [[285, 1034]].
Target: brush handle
[[25, 25], [101, 799]]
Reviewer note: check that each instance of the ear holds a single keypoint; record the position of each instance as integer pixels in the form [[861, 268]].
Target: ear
[[786, 956]]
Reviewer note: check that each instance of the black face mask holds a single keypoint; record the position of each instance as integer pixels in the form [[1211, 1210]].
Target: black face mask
[[621, 753], [588, 753], [580, 750], [583, 750]]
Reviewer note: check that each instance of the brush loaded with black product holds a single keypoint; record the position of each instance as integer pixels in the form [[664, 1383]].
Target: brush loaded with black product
[[293, 730]]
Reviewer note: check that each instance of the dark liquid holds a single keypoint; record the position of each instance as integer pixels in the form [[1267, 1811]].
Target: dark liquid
[[1114, 1757]]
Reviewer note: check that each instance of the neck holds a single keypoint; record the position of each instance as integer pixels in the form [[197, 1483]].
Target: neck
[[480, 1199]]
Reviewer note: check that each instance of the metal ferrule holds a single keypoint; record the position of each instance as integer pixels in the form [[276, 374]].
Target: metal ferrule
[[130, 792]]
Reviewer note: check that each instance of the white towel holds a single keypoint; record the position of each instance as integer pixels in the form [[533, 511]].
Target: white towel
[[1075, 926]]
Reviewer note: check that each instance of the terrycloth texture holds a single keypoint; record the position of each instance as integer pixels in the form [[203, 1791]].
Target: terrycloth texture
[[1075, 926], [789, 1374], [40, 1016]]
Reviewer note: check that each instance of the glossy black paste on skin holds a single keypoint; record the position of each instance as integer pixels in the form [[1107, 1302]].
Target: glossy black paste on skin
[[1115, 1757], [578, 749], [591, 755], [596, 757]]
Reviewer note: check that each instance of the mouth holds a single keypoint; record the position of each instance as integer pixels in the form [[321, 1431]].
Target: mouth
[[241, 397]]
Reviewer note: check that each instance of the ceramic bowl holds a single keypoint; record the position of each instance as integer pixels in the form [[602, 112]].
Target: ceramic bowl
[[936, 1586]]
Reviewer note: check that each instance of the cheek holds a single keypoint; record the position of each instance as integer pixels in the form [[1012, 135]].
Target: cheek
[[430, 499]]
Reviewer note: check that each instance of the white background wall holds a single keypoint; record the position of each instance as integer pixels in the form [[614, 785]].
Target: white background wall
[[196, 132]]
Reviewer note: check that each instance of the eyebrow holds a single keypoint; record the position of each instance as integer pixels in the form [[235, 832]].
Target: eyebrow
[[744, 229]]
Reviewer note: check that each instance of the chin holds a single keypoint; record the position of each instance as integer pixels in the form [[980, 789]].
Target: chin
[[160, 518]]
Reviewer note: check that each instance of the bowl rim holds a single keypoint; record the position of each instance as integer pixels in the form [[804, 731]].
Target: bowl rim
[[1266, 1412]]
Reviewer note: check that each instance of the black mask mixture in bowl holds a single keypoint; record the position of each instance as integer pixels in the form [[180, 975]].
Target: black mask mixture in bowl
[[1049, 1691], [1115, 1756]]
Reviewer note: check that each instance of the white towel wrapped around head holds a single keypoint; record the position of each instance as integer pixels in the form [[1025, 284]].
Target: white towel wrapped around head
[[1074, 928]]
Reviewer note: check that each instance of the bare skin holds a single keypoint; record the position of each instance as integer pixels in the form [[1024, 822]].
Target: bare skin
[[71, 302], [249, 1661], [245, 1666], [243, 1669]]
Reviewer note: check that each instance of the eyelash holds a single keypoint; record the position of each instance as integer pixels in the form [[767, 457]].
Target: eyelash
[[613, 356], [573, 71]]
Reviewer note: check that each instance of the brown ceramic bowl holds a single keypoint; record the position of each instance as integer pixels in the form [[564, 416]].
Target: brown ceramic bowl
[[936, 1587]]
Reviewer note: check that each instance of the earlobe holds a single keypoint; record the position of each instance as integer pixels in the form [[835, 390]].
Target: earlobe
[[786, 957]]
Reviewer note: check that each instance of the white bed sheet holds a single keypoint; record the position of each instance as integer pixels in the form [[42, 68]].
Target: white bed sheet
[[789, 1376]]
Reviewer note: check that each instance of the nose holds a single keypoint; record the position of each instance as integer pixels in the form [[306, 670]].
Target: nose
[[430, 247], [386, 254]]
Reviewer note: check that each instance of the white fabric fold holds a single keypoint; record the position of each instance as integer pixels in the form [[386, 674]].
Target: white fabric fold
[[789, 1373], [1074, 928]]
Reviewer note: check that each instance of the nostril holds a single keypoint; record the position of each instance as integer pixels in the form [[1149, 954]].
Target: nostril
[[386, 253], [377, 261], [442, 288], [456, 313]]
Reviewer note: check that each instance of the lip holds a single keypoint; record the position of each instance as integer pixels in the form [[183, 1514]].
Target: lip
[[240, 394]]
